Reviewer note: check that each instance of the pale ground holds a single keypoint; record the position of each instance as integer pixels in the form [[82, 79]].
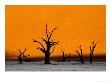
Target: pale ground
[[55, 66]]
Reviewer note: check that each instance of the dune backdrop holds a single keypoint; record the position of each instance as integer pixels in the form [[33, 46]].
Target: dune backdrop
[[76, 25]]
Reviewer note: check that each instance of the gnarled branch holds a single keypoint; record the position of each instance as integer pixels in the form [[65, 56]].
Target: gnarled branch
[[24, 51], [47, 35], [52, 50], [19, 51], [78, 53], [51, 33], [53, 43], [39, 43], [44, 39], [41, 49]]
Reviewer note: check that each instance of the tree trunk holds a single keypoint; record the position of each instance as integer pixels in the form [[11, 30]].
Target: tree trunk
[[20, 60], [82, 60], [63, 58], [90, 58], [47, 59]]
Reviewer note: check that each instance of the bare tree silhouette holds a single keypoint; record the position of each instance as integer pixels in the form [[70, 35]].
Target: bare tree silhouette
[[92, 47], [21, 56], [63, 56], [80, 55], [49, 44], [26, 58]]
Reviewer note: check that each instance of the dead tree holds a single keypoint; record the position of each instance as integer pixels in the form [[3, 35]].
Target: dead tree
[[92, 47], [63, 57], [21, 56], [26, 58], [49, 43], [80, 55]]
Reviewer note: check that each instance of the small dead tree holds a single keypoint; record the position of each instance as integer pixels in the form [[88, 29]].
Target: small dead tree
[[49, 44], [21, 56], [80, 55], [26, 58], [92, 47], [63, 57]]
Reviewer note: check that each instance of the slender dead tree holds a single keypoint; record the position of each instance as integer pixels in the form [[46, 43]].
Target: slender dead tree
[[92, 47], [82, 59], [49, 43], [63, 56], [21, 56], [80, 55], [26, 58]]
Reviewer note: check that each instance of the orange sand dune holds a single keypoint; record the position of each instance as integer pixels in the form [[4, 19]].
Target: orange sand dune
[[76, 25]]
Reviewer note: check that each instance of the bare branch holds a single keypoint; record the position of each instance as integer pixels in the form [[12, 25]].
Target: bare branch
[[39, 43], [41, 49], [24, 51], [20, 51], [90, 48], [51, 33], [77, 52], [52, 50], [54, 43], [80, 50], [46, 31], [44, 39], [95, 44]]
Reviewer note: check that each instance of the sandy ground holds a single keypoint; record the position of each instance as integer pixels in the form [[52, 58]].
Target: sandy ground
[[55, 66]]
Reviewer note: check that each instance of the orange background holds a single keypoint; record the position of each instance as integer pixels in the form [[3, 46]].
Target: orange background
[[77, 25]]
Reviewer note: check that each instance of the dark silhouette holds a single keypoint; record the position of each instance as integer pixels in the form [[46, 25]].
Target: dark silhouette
[[49, 43], [21, 56], [80, 55], [63, 57], [92, 47], [26, 58]]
